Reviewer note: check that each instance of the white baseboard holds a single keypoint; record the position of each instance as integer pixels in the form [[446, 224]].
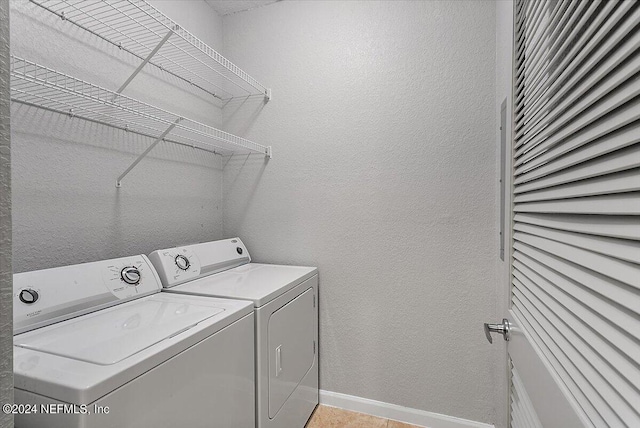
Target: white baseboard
[[395, 412]]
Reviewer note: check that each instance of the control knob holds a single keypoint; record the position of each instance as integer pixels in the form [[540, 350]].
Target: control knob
[[182, 262], [131, 275], [28, 296]]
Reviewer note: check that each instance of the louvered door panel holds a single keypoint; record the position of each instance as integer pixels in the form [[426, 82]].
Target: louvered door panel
[[523, 413], [576, 200]]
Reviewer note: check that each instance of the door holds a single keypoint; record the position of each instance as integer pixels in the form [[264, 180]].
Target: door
[[292, 348], [572, 235]]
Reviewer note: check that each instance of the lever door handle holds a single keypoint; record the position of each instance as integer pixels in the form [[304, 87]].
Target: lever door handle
[[503, 329], [278, 360]]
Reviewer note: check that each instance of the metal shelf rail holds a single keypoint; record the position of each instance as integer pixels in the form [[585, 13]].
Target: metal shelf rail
[[142, 30], [42, 87]]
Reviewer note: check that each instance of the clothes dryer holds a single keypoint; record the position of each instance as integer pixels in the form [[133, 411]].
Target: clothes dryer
[[285, 300]]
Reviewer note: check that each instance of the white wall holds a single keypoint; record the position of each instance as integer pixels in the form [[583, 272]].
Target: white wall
[[66, 208], [384, 176], [6, 288]]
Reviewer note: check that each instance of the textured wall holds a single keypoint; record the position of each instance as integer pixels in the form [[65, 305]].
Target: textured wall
[[6, 319], [384, 176], [66, 208]]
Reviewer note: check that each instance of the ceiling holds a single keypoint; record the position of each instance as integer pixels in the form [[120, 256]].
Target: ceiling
[[227, 7]]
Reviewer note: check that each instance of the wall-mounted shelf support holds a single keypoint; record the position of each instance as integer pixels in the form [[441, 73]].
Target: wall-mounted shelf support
[[146, 152], [145, 61]]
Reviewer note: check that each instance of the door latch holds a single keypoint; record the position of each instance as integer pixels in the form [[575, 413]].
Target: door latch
[[503, 329]]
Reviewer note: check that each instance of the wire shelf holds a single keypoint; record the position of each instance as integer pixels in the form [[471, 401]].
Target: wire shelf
[[142, 30], [39, 86]]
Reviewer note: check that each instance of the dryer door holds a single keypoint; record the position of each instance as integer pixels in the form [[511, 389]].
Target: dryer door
[[291, 348]]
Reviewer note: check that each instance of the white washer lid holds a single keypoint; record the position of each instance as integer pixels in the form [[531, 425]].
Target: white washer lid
[[258, 282], [109, 336], [78, 381]]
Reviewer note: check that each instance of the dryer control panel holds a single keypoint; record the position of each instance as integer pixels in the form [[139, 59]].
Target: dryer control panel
[[176, 265], [48, 296], [181, 264]]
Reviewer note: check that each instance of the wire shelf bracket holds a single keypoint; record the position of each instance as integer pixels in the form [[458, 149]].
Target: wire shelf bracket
[[146, 152], [38, 86], [143, 31], [143, 63]]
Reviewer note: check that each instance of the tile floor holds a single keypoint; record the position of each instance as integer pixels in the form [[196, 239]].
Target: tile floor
[[331, 417]]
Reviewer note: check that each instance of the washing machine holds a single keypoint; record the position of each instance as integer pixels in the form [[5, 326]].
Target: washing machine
[[285, 300], [97, 345]]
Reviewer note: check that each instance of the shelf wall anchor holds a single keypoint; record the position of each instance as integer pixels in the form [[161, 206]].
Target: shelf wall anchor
[[146, 152], [143, 63]]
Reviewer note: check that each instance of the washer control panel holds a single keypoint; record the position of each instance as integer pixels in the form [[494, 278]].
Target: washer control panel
[[53, 295], [181, 264]]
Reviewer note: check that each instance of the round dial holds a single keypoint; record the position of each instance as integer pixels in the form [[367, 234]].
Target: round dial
[[182, 262], [28, 296], [130, 275]]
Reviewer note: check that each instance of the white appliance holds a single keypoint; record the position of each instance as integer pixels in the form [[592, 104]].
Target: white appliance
[[286, 316], [97, 345]]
